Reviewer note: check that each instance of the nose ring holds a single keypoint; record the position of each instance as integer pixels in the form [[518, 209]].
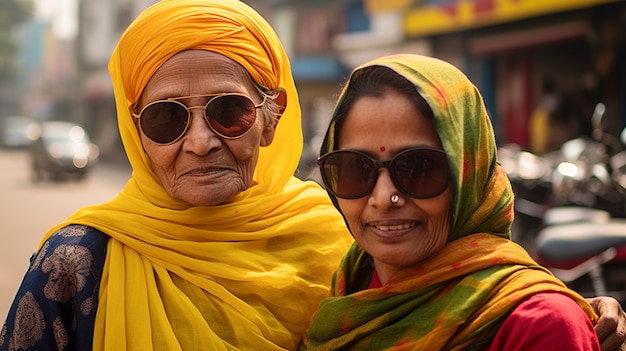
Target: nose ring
[[394, 199]]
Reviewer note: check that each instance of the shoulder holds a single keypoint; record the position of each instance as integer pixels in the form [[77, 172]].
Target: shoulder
[[70, 248], [77, 234], [72, 254], [72, 241], [546, 321], [56, 303]]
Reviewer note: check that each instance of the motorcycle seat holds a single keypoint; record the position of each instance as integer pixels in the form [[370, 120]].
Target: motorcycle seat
[[575, 214], [578, 241]]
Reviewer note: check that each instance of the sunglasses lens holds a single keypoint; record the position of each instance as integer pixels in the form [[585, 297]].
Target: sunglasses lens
[[421, 173], [348, 174], [164, 121], [231, 115]]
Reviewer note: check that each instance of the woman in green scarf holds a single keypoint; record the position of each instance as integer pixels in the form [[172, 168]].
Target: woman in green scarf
[[410, 161]]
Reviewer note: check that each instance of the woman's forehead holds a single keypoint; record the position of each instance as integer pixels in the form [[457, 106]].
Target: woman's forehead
[[201, 70]]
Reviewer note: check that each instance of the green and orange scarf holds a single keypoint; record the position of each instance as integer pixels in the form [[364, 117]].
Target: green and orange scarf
[[457, 298]]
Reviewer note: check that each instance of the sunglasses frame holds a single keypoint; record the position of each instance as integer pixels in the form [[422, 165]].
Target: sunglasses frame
[[213, 97], [378, 164]]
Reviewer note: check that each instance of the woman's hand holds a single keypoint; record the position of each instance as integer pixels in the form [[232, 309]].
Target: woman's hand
[[611, 327]]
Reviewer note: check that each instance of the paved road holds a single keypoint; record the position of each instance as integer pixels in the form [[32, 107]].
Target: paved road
[[27, 210]]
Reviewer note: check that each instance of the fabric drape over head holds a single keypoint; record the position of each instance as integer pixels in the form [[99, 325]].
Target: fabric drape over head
[[457, 298], [243, 274]]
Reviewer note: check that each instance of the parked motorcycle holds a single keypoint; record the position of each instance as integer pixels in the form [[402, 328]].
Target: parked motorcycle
[[589, 254], [570, 209], [531, 179], [583, 174]]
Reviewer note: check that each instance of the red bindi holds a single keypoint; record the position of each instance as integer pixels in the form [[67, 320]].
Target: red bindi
[[382, 148]]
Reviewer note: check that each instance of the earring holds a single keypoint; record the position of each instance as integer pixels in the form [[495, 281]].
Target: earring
[[394, 199]]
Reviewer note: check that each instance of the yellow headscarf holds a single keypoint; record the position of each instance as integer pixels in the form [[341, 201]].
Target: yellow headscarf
[[235, 276]]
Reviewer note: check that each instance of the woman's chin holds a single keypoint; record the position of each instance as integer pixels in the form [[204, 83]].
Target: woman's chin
[[208, 196]]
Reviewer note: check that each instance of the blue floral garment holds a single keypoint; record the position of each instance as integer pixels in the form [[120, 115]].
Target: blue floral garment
[[55, 307]]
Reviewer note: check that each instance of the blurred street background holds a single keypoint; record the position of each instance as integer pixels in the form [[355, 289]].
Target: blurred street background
[[29, 210], [519, 53]]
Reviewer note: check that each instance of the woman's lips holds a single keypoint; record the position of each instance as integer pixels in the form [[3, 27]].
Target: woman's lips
[[386, 228]]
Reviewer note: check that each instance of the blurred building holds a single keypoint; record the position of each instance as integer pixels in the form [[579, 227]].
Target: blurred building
[[507, 47], [45, 87], [307, 29], [101, 24]]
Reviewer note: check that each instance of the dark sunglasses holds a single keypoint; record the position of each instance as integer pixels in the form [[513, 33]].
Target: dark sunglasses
[[417, 172], [229, 115]]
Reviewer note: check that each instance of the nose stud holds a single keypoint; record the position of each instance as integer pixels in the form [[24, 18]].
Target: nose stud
[[394, 199]]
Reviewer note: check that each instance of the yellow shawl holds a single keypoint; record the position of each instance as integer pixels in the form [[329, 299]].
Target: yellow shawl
[[235, 276]]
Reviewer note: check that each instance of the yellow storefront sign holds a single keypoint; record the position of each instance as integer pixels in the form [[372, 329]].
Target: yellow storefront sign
[[423, 18]]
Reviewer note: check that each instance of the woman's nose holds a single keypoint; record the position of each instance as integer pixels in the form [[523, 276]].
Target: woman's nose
[[383, 190], [200, 138]]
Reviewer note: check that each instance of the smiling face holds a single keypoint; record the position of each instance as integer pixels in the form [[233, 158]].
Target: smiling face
[[397, 235], [201, 168]]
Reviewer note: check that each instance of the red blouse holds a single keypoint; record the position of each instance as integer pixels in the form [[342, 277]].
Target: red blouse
[[546, 321]]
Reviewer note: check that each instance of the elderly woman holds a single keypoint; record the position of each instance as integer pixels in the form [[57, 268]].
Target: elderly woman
[[212, 244], [410, 161]]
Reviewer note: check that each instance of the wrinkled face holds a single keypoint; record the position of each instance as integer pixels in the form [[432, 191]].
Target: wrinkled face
[[403, 234], [202, 168]]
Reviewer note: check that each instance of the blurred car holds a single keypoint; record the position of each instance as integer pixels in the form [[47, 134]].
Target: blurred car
[[15, 132], [60, 150]]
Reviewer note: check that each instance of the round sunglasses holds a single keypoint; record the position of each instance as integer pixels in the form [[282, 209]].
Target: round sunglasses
[[420, 172], [229, 115]]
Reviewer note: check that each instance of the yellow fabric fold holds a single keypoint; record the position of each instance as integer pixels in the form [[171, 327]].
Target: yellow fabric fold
[[228, 277]]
